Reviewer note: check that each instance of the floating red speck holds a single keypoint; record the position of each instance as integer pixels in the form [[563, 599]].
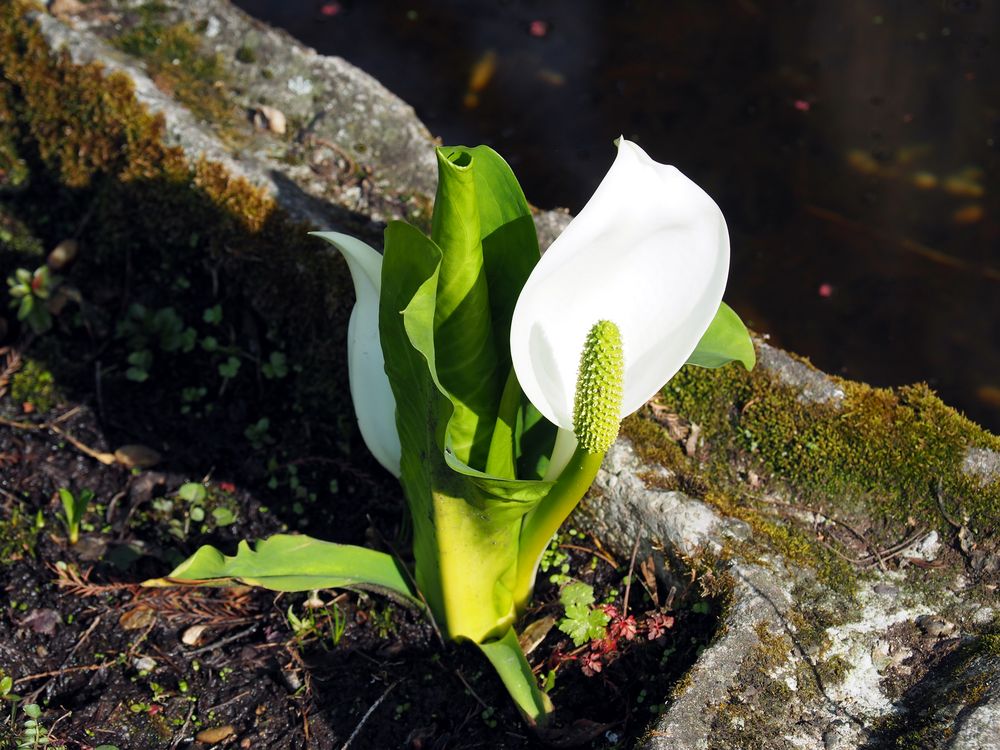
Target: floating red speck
[[825, 290], [802, 105], [227, 487], [538, 28], [330, 9]]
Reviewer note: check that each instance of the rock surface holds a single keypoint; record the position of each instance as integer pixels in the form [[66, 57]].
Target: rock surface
[[898, 656]]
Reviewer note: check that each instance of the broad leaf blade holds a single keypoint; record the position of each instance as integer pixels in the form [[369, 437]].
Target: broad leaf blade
[[287, 562], [466, 362], [465, 528], [510, 245], [509, 253], [726, 340]]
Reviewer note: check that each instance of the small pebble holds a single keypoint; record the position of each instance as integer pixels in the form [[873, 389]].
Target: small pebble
[[935, 627], [144, 664], [212, 27]]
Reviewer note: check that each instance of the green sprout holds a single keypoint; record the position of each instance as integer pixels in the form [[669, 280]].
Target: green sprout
[[74, 508], [30, 294]]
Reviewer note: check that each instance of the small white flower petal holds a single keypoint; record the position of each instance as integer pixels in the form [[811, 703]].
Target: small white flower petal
[[650, 253], [374, 404]]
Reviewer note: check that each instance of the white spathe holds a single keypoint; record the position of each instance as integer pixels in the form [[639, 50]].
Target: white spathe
[[650, 253], [374, 404]]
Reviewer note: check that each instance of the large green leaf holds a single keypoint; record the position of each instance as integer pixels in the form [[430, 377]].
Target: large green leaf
[[466, 522], [510, 245], [466, 364], [485, 188], [726, 340], [287, 562]]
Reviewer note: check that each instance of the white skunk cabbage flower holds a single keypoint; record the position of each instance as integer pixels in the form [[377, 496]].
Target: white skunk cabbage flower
[[650, 253], [374, 404]]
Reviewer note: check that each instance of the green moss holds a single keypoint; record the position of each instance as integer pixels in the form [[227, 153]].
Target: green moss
[[750, 724], [245, 54], [883, 457], [18, 534], [177, 64], [34, 384], [885, 452], [832, 671], [19, 247]]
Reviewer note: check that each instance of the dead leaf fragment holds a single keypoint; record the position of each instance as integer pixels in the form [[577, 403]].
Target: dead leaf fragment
[[535, 633], [192, 635], [137, 619], [270, 118], [43, 621], [137, 456], [215, 735]]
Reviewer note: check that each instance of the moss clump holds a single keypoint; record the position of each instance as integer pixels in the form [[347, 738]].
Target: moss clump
[[177, 65], [884, 452], [34, 384], [245, 54], [750, 723], [19, 247], [18, 534]]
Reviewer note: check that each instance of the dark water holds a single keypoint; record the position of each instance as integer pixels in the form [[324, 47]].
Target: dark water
[[853, 146]]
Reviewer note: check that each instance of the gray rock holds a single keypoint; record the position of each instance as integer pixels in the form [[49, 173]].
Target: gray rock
[[979, 728], [342, 114], [983, 464], [812, 385]]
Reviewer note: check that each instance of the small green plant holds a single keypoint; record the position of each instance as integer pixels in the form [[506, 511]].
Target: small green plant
[[143, 329], [276, 366], [30, 294], [7, 694], [139, 365], [33, 734], [229, 369], [301, 626], [583, 622], [381, 620], [338, 623], [257, 434], [74, 508]]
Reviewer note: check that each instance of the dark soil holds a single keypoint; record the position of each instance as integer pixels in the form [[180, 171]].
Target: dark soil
[[106, 659]]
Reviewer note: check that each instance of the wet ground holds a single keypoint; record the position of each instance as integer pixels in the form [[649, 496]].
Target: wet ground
[[852, 147]]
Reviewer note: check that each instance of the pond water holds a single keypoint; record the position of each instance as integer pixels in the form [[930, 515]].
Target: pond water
[[854, 147]]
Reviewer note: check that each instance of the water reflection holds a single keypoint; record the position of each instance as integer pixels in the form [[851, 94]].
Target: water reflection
[[852, 146]]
